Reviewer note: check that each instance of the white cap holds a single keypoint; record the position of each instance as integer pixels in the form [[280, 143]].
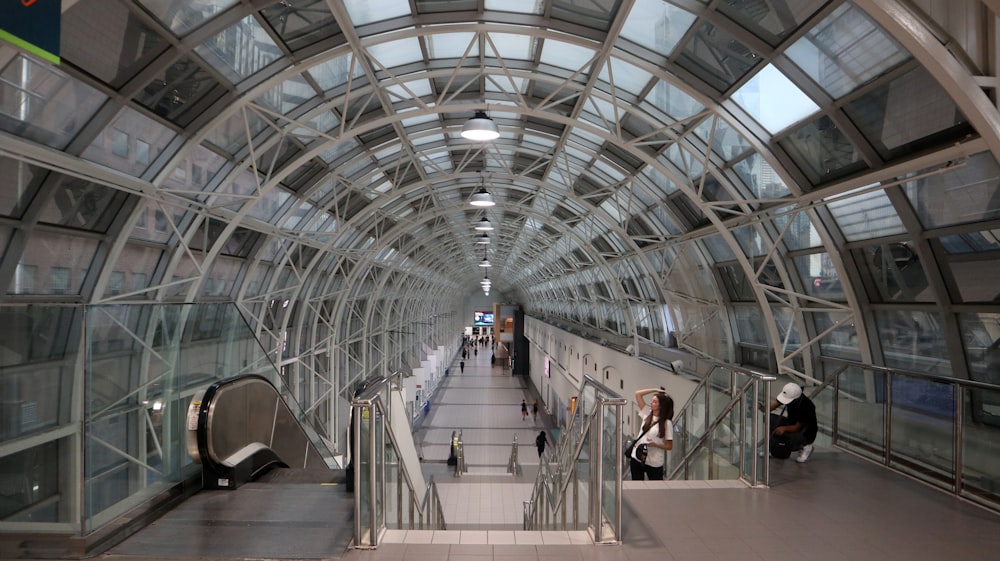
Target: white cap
[[790, 393]]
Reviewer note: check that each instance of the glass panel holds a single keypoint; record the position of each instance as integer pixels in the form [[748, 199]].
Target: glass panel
[[968, 193], [819, 276], [893, 273], [108, 41], [362, 467], [181, 92], [866, 216], [673, 101], [973, 276], [40, 103], [182, 16], [53, 264], [593, 13], [842, 341], [898, 123], [981, 341], [301, 23], [773, 100], [453, 45], [336, 72], [750, 324], [624, 76], [822, 151], [801, 234], [521, 6], [922, 420], [565, 55], [726, 142], [368, 11], [657, 25], [21, 181], [136, 406], [846, 50], [913, 340], [861, 412], [606, 527], [980, 427], [82, 204], [44, 494], [717, 57], [760, 178], [240, 51], [131, 143], [771, 21], [395, 53]]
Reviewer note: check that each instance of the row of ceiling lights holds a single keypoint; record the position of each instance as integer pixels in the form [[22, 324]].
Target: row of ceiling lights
[[483, 129]]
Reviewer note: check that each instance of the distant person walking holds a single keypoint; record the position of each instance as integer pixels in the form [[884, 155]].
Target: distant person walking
[[524, 410], [540, 441], [461, 367], [534, 412]]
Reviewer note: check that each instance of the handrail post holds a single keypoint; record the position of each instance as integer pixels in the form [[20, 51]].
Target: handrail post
[[887, 419], [959, 434]]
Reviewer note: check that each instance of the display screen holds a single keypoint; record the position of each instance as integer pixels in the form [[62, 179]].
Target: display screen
[[482, 318]]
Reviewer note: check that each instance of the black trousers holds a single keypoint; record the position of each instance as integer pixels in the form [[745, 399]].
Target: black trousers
[[641, 471], [795, 439]]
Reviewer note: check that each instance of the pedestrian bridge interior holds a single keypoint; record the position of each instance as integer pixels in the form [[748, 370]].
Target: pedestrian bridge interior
[[200, 189]]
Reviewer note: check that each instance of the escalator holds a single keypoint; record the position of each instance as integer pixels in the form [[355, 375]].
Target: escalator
[[270, 488]]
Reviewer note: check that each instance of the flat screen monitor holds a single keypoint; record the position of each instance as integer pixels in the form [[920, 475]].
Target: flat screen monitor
[[482, 319]]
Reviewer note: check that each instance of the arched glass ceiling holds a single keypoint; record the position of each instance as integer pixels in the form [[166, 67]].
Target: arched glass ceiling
[[802, 178]]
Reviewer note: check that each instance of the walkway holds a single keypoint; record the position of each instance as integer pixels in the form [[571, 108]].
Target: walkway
[[835, 507]]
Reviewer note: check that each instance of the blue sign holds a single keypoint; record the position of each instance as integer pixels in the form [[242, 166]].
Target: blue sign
[[33, 25]]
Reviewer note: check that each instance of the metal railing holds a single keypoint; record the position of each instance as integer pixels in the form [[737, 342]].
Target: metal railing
[[940, 430], [513, 465], [720, 431], [385, 494], [582, 488]]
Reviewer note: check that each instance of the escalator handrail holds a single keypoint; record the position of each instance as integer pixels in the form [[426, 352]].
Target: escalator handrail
[[207, 401]]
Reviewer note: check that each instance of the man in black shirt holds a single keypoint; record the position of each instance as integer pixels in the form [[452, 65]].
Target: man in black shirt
[[795, 427]]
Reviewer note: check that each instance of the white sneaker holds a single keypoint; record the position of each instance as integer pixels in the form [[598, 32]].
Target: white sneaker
[[804, 453]]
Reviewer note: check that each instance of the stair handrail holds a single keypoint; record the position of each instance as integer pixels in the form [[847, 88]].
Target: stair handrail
[[429, 504], [737, 391], [513, 466]]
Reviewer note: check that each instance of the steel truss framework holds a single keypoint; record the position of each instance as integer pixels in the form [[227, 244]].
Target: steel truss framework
[[303, 161]]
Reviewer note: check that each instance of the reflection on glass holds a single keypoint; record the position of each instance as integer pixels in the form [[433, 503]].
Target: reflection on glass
[[913, 340], [981, 341], [846, 50], [894, 273], [963, 192], [657, 25], [922, 436], [866, 216], [822, 151]]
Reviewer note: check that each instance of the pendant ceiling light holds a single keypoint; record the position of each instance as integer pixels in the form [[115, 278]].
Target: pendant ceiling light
[[484, 225], [483, 239], [485, 262], [482, 197], [480, 127]]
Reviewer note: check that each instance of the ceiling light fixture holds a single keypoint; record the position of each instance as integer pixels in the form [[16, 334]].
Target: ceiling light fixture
[[485, 262], [484, 225], [480, 127], [482, 197], [483, 239]]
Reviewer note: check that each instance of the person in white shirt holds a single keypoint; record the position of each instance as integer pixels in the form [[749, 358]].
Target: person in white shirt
[[650, 452]]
